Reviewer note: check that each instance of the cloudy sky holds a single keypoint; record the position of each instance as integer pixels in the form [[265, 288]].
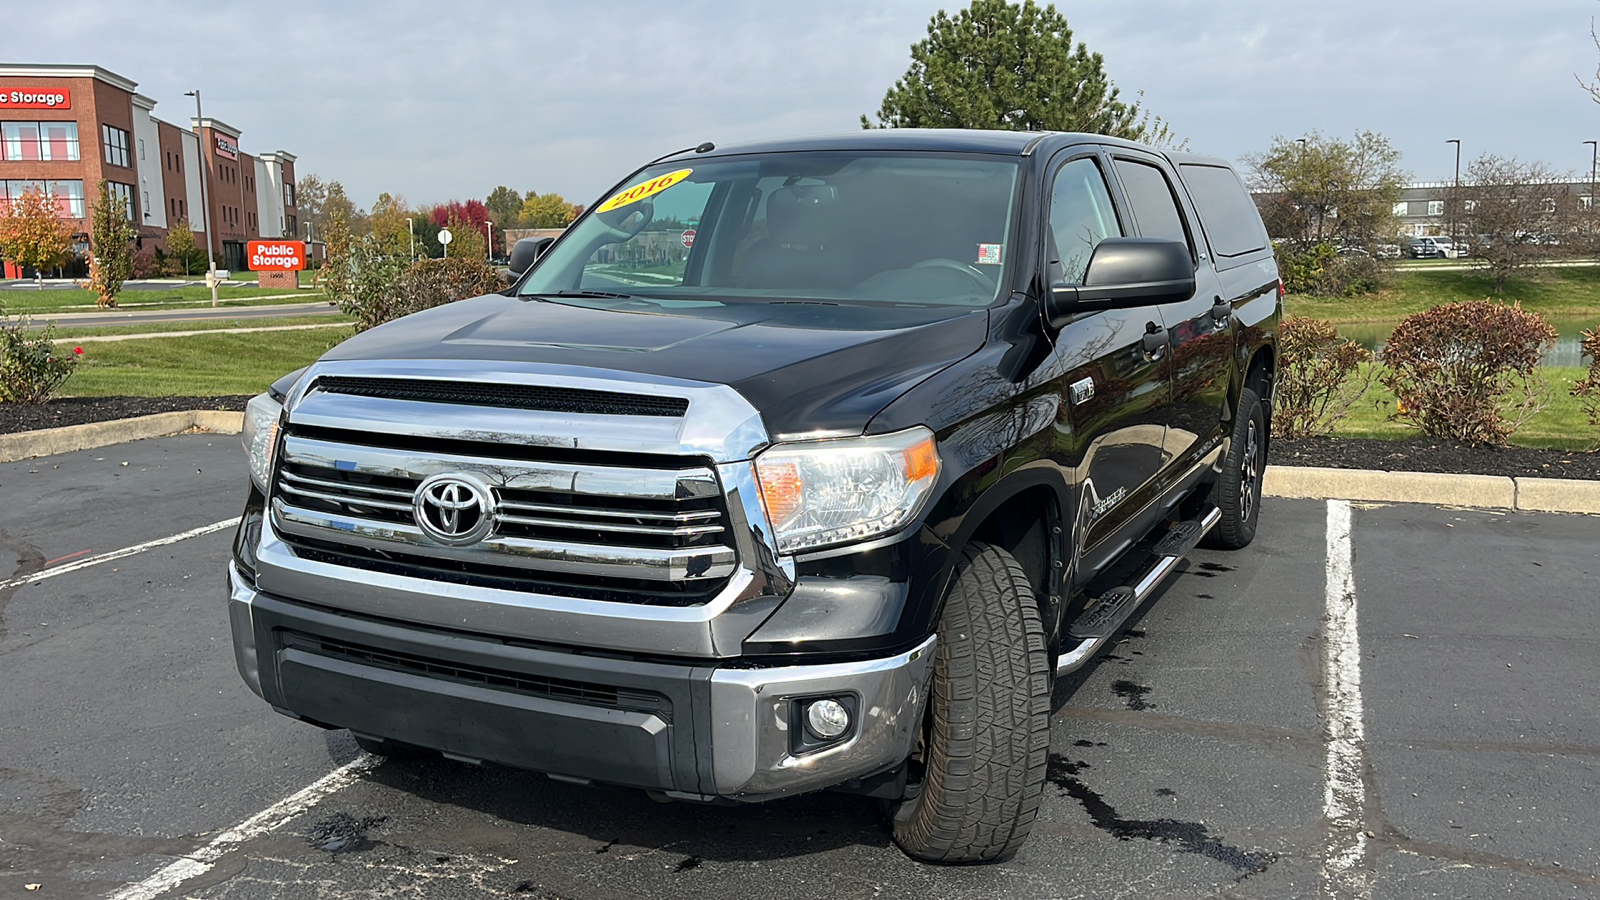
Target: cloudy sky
[[445, 99]]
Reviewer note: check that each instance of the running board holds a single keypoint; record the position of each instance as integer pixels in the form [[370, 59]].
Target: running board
[[1104, 619]]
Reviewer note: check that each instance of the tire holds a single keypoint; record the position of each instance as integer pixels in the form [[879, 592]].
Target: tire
[[976, 780], [1237, 493]]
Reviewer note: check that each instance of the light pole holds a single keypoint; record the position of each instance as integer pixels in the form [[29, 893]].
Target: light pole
[[1594, 164], [205, 205], [411, 233], [1455, 194], [490, 228]]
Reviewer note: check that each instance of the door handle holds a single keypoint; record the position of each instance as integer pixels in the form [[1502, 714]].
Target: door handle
[[1155, 340], [1221, 311]]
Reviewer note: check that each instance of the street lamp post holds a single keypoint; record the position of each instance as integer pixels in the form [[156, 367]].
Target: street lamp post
[[1594, 164], [205, 205], [411, 233], [489, 226], [1455, 194]]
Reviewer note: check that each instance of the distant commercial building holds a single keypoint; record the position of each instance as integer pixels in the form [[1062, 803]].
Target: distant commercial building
[[65, 128], [1424, 208]]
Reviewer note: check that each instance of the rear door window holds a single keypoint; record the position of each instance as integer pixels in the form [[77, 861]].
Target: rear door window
[[1226, 210]]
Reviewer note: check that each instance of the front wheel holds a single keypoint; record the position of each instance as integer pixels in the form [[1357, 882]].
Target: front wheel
[[1237, 492], [979, 769]]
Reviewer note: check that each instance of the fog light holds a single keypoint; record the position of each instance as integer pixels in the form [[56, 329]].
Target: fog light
[[827, 719]]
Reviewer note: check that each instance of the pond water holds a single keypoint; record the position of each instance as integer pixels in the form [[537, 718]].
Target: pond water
[[1568, 350]]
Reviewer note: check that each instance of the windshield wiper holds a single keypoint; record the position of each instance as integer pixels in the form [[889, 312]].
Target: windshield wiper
[[592, 295]]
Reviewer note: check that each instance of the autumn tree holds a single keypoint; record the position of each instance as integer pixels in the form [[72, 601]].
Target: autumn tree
[[32, 233], [467, 237], [546, 211], [1010, 66], [390, 221], [1325, 190], [182, 249], [310, 195], [111, 232], [1517, 211], [505, 206]]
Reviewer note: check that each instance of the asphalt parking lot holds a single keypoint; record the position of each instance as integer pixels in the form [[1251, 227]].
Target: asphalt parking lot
[[1370, 702]]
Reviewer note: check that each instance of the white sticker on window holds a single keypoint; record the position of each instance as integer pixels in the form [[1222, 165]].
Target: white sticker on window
[[989, 254]]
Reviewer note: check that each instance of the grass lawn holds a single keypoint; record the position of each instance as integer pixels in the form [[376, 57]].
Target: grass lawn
[[204, 365], [1557, 293], [1562, 425], [68, 332], [31, 302]]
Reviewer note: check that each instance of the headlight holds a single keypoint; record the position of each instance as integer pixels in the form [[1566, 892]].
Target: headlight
[[260, 436], [830, 492]]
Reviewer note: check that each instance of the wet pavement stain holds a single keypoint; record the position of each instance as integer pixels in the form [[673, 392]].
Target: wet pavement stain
[[692, 862], [1135, 632], [1086, 743], [1216, 567], [1132, 694], [1189, 837], [1205, 597], [343, 833], [608, 845]]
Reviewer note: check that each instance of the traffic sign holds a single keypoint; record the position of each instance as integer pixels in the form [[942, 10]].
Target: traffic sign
[[687, 237], [445, 236]]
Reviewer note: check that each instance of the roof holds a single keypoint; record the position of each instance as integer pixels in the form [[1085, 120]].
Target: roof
[[959, 140], [53, 70]]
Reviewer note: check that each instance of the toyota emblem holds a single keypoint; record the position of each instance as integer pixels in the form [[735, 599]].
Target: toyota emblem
[[454, 509]]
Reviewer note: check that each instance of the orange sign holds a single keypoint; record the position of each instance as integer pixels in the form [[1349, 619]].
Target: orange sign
[[35, 98], [286, 256]]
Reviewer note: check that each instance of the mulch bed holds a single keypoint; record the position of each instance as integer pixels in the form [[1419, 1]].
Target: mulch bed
[[60, 411], [1428, 455], [1414, 455]]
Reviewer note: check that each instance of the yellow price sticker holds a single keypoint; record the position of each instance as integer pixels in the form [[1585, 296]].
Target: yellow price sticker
[[644, 189]]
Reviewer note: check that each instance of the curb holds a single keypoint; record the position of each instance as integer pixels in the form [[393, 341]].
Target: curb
[[1479, 491], [67, 438]]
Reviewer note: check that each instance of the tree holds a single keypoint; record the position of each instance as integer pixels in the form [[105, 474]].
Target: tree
[[547, 211], [1518, 212], [390, 221], [32, 233], [1003, 65], [1323, 190], [1593, 87], [310, 195], [505, 206], [427, 234], [182, 248], [466, 238], [111, 232]]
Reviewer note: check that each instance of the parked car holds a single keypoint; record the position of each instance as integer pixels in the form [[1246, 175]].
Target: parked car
[[911, 424], [1386, 251], [1432, 248]]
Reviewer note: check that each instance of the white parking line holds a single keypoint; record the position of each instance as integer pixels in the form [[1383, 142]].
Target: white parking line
[[262, 822], [1344, 795], [39, 576]]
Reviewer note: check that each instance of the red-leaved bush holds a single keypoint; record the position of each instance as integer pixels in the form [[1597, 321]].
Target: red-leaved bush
[[1319, 377], [1587, 390], [1468, 371]]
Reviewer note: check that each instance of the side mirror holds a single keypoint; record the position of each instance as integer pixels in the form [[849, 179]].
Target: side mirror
[[1124, 273], [526, 251]]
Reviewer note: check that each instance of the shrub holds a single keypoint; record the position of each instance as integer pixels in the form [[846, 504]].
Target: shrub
[[30, 369], [1323, 271], [1587, 390], [1468, 371], [1319, 377], [148, 263], [375, 288]]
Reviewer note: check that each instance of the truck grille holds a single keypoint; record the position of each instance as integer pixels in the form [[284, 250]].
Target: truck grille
[[612, 527], [511, 396]]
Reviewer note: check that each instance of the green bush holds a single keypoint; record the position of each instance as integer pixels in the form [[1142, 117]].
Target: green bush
[[1320, 377], [1587, 390], [1322, 271], [30, 368], [1468, 371], [375, 288]]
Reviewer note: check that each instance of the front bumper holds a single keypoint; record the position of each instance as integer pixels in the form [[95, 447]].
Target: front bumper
[[691, 729]]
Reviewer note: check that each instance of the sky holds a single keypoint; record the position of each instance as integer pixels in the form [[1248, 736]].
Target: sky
[[437, 101]]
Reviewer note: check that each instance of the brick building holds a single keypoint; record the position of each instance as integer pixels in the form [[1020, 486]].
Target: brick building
[[65, 128]]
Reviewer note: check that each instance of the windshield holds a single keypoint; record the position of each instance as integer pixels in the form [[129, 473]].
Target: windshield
[[832, 227]]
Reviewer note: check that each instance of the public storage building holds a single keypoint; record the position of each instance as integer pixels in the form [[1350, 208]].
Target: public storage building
[[64, 128]]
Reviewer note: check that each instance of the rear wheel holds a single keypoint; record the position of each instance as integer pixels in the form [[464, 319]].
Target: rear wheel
[[976, 778], [1237, 492]]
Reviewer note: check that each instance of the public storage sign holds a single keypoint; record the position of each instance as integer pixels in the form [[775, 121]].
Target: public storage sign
[[286, 256], [35, 98]]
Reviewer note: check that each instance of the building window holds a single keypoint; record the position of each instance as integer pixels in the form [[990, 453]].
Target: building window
[[1402, 208], [123, 194], [288, 193], [294, 226], [1435, 207], [68, 195], [146, 201], [141, 148], [1469, 206], [38, 140], [1549, 204], [1585, 201], [115, 143]]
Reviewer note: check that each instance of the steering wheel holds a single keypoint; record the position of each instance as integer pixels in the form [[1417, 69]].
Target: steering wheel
[[983, 281]]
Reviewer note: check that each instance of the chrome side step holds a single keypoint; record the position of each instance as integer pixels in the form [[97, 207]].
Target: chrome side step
[[1104, 619]]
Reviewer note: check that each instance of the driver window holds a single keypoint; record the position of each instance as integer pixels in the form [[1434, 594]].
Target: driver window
[[659, 253], [1081, 216]]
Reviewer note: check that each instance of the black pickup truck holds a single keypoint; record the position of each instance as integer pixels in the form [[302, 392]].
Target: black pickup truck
[[798, 465]]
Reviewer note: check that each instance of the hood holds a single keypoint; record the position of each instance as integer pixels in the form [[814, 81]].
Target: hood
[[805, 366]]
